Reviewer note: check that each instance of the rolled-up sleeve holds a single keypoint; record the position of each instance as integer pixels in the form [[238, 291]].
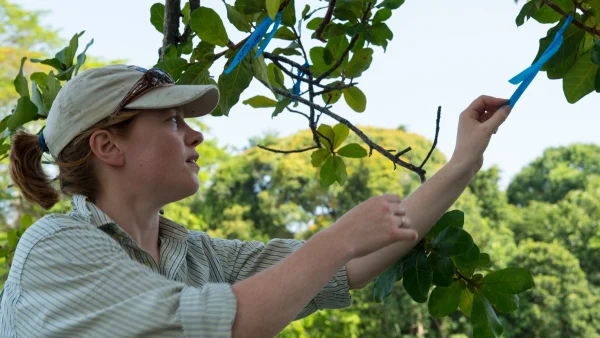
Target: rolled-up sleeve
[[78, 282], [242, 259]]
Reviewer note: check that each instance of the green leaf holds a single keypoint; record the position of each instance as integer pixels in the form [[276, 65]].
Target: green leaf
[[314, 23], [352, 150], [305, 11], [318, 64], [384, 283], [157, 16], [26, 221], [260, 101], [548, 15], [502, 302], [259, 69], [443, 269], [26, 111], [185, 13], [361, 60], [237, 19], [50, 62], [417, 277], [334, 29], [171, 52], [527, 11], [272, 7], [3, 252], [196, 74], [444, 300], [467, 262], [455, 218], [509, 280], [66, 55], [4, 124], [379, 34], [39, 78], [82, 57], [332, 96], [20, 81], [280, 106], [580, 79], [288, 15], [173, 66], [484, 320], [12, 238], [250, 6], [484, 260], [52, 88], [341, 175], [355, 99], [290, 50], [319, 156], [285, 33], [38, 99], [203, 50], [382, 15], [595, 55], [391, 4], [328, 174], [341, 132], [275, 75], [466, 302], [564, 58], [232, 85], [453, 241], [207, 24], [327, 133]]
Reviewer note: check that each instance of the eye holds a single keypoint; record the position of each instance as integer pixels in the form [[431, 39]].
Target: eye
[[174, 119]]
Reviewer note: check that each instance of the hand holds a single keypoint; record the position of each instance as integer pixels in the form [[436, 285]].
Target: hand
[[372, 225], [476, 126]]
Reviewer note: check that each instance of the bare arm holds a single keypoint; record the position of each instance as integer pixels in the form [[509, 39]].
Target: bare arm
[[427, 204]]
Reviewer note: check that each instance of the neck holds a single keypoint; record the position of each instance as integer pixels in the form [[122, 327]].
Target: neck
[[135, 215]]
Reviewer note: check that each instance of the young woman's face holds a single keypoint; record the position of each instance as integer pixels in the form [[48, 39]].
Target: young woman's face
[[161, 154]]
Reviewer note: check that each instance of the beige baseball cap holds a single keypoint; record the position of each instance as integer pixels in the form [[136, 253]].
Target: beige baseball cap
[[96, 93]]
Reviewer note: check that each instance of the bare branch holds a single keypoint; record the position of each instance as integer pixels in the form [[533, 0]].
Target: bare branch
[[297, 112], [437, 132], [326, 21], [170, 25], [287, 151], [372, 145], [557, 9]]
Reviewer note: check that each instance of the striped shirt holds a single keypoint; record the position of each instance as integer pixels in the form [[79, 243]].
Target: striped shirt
[[81, 275]]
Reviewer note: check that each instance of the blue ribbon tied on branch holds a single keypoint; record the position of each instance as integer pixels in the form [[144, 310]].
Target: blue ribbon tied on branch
[[526, 77], [296, 89], [254, 40]]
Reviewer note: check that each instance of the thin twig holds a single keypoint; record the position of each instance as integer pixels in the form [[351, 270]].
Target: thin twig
[[287, 151], [326, 20], [372, 145], [559, 10], [280, 58], [297, 112], [234, 47], [437, 132], [329, 89], [300, 43]]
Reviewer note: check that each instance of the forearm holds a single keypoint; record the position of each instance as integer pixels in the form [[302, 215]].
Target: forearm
[[268, 301], [423, 208]]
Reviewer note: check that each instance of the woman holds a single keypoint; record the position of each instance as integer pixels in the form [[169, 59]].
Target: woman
[[114, 267]]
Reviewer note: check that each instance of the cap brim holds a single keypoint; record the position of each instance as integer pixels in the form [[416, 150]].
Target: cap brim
[[195, 100]]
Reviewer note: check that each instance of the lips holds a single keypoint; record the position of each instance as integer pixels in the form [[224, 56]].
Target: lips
[[193, 158]]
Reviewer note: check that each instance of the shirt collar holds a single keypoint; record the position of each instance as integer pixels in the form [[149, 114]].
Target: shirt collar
[[88, 212]]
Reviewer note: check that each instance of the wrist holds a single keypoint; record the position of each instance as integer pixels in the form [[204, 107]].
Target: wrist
[[337, 243], [464, 167]]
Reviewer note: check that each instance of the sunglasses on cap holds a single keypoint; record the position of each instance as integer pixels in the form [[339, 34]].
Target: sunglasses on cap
[[152, 78]]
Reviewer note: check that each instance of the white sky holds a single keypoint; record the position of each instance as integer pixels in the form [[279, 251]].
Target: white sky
[[443, 53]]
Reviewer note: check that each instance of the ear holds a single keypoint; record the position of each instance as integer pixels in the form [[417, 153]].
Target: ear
[[107, 147]]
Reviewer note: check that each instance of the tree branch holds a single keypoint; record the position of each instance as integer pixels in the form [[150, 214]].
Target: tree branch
[[326, 21], [170, 25], [437, 132], [297, 112], [233, 47], [194, 4], [345, 53], [279, 58], [329, 89], [559, 10], [287, 151], [372, 145]]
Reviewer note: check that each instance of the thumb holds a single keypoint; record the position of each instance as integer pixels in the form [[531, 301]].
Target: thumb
[[499, 117]]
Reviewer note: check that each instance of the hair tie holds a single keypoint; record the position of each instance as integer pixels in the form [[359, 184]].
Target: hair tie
[[42, 143]]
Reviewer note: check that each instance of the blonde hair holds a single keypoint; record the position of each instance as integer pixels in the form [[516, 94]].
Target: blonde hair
[[76, 174]]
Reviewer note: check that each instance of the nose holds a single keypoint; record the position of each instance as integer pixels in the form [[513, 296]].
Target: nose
[[195, 138]]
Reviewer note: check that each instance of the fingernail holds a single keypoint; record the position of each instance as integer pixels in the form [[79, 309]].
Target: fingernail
[[415, 236]]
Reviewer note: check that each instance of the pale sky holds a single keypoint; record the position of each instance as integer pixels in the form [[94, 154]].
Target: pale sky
[[443, 53]]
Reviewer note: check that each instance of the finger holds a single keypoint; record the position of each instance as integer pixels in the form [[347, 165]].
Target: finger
[[398, 210], [498, 118], [402, 234], [486, 103], [392, 198]]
